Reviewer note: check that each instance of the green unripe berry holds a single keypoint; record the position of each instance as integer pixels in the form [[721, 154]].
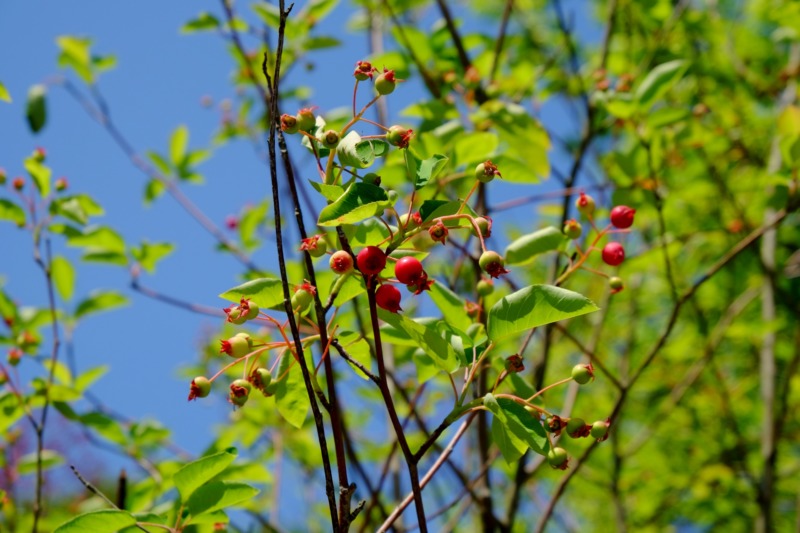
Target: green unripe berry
[[574, 426], [306, 119], [557, 457], [486, 172], [599, 430], [572, 229], [201, 386], [236, 346], [330, 139], [585, 205], [616, 284], [301, 300], [385, 82], [261, 378], [582, 374], [485, 287], [289, 124], [240, 392]]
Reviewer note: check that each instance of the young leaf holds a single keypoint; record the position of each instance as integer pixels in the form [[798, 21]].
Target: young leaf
[[475, 147], [40, 174], [100, 301], [291, 396], [36, 108], [218, 495], [658, 81], [422, 171], [4, 96], [522, 424], [103, 521], [149, 254], [353, 152], [535, 306], [426, 338], [359, 202], [526, 248], [266, 292], [75, 54], [11, 211], [203, 21], [193, 475], [177, 144], [27, 463], [63, 276]]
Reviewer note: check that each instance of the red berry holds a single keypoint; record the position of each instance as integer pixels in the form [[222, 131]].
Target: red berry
[[408, 270], [371, 260], [622, 216], [341, 262], [613, 254], [388, 297], [18, 183]]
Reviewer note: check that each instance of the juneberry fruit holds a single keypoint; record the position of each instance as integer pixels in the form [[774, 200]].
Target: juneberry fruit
[[363, 70], [622, 216], [582, 374], [616, 284], [303, 297], [388, 297], [18, 183], [408, 270], [314, 245], [599, 430], [613, 254], [240, 391], [585, 205], [341, 262], [199, 388], [371, 260], [486, 172], [484, 225], [236, 346], [572, 229], [61, 184], [330, 139], [399, 136], [557, 457], [439, 232], [289, 124], [385, 83], [252, 310], [577, 428], [554, 424], [485, 287], [306, 119], [261, 378], [492, 263]]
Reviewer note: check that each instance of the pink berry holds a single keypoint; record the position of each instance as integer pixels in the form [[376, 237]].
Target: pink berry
[[613, 254], [622, 216]]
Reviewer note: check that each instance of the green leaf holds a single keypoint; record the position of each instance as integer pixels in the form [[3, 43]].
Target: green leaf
[[358, 349], [218, 495], [177, 144], [423, 171], [103, 521], [40, 175], [291, 397], [36, 108], [11, 211], [83, 381], [431, 209], [204, 21], [519, 422], [194, 474], [426, 338], [475, 147], [353, 152], [525, 158], [4, 96], [535, 306], [451, 305], [153, 190], [149, 254], [658, 81], [266, 292], [98, 239], [511, 446], [27, 463], [77, 208], [359, 202], [63, 277], [75, 54], [524, 249], [99, 301]]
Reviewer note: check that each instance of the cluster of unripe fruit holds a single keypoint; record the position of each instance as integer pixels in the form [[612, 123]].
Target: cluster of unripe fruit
[[575, 427]]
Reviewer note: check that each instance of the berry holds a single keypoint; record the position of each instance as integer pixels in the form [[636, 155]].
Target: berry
[[577, 428], [585, 205], [399, 136], [240, 391], [364, 70], [484, 225], [514, 364], [306, 119], [330, 139], [236, 346], [18, 183], [616, 284], [372, 179], [261, 378], [199, 388], [385, 83], [314, 245], [303, 296], [554, 424], [613, 254], [486, 171], [388, 297], [61, 184], [252, 310], [14, 356], [39, 154], [622, 216], [371, 260], [557, 457], [341, 262], [3, 176], [572, 229], [485, 287], [582, 374], [492, 263], [289, 124], [438, 232], [599, 430], [408, 270]]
